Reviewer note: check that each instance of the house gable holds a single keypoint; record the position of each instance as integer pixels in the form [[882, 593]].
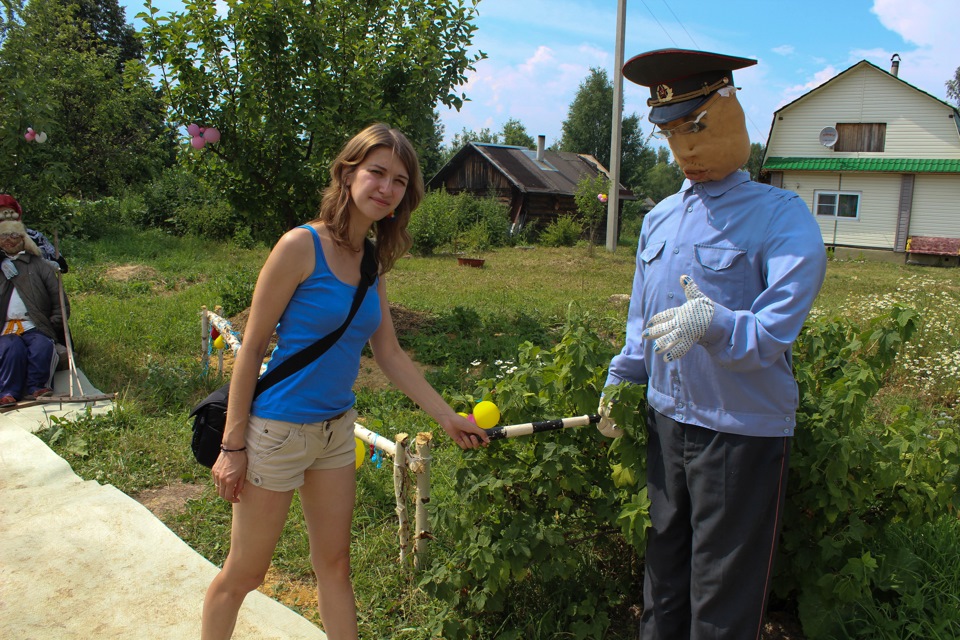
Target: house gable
[[917, 124]]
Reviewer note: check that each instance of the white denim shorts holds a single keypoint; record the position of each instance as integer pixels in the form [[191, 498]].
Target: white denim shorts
[[278, 453]]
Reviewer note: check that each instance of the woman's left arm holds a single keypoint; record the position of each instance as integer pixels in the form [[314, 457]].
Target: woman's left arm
[[401, 371]]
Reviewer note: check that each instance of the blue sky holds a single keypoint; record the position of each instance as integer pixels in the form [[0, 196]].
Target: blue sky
[[539, 51]]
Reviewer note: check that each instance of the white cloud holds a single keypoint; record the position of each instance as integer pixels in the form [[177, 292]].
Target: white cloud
[[784, 50], [929, 23], [792, 93], [932, 26]]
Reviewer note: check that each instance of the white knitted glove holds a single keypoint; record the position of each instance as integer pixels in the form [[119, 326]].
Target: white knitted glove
[[606, 426], [676, 330]]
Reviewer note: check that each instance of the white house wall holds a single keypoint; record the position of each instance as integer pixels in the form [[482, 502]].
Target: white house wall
[[936, 206], [879, 196], [917, 125]]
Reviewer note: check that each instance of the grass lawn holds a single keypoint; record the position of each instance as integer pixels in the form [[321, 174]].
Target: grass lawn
[[136, 300]]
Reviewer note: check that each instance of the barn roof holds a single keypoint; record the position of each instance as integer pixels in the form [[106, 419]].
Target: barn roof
[[557, 174]]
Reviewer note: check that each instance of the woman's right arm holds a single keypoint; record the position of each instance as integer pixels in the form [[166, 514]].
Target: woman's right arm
[[289, 264]]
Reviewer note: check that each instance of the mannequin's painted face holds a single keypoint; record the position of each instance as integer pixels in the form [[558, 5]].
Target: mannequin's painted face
[[714, 147]]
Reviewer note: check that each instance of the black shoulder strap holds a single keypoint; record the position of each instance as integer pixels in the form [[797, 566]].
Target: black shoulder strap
[[368, 275]]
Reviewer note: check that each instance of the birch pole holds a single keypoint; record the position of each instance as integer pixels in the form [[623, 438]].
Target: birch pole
[[400, 491], [421, 467]]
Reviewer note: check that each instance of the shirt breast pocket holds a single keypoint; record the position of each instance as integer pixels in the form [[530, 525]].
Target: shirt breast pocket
[[722, 276], [651, 252]]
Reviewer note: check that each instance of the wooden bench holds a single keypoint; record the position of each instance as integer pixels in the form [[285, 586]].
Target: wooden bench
[[930, 245]]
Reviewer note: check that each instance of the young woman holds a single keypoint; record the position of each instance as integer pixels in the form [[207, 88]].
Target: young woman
[[298, 434]]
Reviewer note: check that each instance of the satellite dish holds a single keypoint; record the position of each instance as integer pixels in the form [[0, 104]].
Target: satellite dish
[[829, 136]]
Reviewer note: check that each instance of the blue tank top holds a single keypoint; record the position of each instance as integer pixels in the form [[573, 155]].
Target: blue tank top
[[319, 305]]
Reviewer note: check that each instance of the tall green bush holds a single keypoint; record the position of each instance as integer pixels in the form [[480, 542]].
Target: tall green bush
[[442, 220], [531, 535], [539, 529]]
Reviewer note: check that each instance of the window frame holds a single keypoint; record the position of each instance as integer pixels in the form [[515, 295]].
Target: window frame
[[838, 194], [860, 137]]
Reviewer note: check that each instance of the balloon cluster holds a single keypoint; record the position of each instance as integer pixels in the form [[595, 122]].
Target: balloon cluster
[[200, 136], [602, 197], [485, 415], [33, 136]]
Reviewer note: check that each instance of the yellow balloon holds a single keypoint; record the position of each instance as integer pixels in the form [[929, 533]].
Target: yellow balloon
[[219, 342], [461, 413], [486, 414], [361, 451]]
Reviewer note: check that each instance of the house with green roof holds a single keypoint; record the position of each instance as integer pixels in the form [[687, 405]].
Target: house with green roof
[[877, 161]]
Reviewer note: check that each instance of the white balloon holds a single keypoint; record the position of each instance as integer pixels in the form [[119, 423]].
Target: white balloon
[[41, 137]]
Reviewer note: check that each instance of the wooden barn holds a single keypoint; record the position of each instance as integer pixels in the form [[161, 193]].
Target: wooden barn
[[537, 185]]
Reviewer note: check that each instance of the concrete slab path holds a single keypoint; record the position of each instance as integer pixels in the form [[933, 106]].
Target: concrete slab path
[[82, 560]]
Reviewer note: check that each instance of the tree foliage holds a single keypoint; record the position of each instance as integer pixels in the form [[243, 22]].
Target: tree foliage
[[72, 69], [588, 129], [953, 88], [591, 207], [514, 133], [662, 179], [287, 83], [755, 160]]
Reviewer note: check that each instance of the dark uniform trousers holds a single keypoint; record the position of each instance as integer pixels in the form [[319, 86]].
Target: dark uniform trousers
[[716, 503]]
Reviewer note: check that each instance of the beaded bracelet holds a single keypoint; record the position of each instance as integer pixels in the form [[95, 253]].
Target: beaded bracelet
[[225, 450]]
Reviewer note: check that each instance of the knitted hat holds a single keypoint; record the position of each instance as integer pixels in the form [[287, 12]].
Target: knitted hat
[[15, 226], [9, 202]]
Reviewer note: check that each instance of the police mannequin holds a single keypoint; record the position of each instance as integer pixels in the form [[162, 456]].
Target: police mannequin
[[727, 270]]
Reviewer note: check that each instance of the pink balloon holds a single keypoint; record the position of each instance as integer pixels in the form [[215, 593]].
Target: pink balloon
[[197, 142], [211, 134], [29, 135], [193, 130]]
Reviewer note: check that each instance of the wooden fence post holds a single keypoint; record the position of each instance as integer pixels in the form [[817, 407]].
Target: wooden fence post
[[400, 491], [421, 467]]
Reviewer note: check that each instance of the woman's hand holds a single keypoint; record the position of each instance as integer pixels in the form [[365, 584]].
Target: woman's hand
[[229, 474], [465, 433]]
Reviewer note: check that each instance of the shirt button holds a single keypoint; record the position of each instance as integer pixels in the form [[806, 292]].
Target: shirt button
[[786, 419], [670, 295], [689, 209], [679, 405], [676, 250], [680, 418], [786, 430]]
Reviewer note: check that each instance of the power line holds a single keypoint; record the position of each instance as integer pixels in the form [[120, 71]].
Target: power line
[[661, 26], [680, 22]]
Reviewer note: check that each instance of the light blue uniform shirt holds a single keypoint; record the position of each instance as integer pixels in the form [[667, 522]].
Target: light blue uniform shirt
[[757, 252]]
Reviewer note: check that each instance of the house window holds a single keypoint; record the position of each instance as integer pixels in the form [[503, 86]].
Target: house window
[[838, 204], [861, 136]]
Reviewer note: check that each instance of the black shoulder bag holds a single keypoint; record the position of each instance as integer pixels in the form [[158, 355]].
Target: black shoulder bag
[[210, 416]]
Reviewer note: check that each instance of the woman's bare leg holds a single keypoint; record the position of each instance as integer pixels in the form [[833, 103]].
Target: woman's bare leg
[[258, 520], [328, 497]]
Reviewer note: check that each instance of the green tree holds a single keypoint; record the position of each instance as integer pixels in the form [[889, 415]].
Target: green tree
[[288, 82], [755, 160], [953, 88], [432, 156], [515, 134], [465, 137], [93, 98], [591, 198], [587, 129], [663, 179]]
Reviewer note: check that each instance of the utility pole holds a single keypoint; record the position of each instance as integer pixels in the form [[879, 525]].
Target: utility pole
[[613, 198]]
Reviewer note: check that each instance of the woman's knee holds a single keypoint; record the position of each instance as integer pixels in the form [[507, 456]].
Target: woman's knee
[[332, 564], [241, 580]]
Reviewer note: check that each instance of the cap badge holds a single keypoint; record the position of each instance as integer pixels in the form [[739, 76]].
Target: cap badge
[[664, 93]]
